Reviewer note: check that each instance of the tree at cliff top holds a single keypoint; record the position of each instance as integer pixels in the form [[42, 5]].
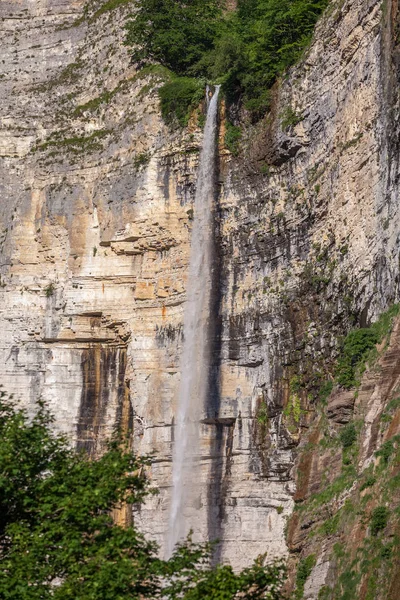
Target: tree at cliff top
[[58, 540], [245, 50]]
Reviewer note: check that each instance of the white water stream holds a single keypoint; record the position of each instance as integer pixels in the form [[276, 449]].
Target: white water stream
[[195, 353]]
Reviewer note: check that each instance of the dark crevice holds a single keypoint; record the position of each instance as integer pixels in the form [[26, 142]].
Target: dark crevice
[[219, 475]]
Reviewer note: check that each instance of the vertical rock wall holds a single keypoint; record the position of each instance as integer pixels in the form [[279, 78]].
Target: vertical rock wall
[[95, 220]]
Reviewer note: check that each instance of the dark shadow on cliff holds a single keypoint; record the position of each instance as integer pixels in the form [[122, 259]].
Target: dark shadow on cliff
[[222, 436], [103, 374]]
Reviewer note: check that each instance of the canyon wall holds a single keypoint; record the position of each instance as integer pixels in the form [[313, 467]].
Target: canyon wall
[[95, 220]]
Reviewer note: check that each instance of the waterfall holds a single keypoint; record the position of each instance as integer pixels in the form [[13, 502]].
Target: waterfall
[[195, 352]]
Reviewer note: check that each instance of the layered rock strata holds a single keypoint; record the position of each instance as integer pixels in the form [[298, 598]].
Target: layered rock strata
[[95, 221], [340, 486]]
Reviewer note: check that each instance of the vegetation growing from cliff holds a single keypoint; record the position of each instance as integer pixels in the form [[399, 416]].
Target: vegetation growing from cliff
[[177, 97], [244, 50], [58, 539], [349, 512], [303, 572], [233, 136], [359, 345]]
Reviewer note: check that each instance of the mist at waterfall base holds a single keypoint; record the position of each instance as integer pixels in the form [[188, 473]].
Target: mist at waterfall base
[[195, 353]]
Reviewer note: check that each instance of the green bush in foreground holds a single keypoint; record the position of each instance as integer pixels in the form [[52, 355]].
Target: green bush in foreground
[[58, 540]]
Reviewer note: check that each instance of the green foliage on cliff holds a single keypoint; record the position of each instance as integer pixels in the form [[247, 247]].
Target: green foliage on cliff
[[303, 572], [348, 435], [358, 345], [233, 136], [58, 539], [178, 97], [175, 33], [386, 450], [245, 50], [379, 519], [290, 118]]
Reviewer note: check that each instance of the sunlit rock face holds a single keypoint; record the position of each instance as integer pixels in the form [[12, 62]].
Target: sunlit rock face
[[95, 221]]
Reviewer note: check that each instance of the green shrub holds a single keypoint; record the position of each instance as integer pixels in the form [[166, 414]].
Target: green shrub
[[295, 382], [108, 6], [178, 98], [348, 582], [384, 324], [386, 451], [394, 482], [262, 414], [337, 487], [233, 136], [201, 119], [338, 550], [369, 482], [265, 169], [348, 435], [387, 551], [303, 572], [325, 593], [358, 345], [379, 519], [392, 406], [355, 350]]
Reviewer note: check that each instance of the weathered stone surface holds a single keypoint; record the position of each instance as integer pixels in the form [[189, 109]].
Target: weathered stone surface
[[337, 531], [95, 219], [340, 406]]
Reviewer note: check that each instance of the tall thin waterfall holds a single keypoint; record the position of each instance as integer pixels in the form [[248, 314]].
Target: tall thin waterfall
[[195, 353]]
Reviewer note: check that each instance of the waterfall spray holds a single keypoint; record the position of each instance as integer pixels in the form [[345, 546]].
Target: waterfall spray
[[195, 352]]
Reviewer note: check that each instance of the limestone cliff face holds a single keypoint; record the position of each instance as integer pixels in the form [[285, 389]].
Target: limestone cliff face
[[95, 221]]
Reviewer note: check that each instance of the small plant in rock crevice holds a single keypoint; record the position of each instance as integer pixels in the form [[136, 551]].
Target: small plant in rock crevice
[[262, 414], [369, 482], [388, 448], [290, 118], [140, 160], [49, 290]]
